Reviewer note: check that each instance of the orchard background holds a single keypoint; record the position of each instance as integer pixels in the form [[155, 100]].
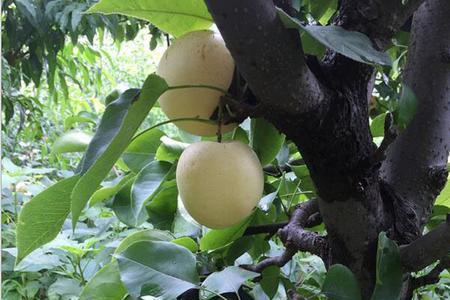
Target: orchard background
[[345, 103]]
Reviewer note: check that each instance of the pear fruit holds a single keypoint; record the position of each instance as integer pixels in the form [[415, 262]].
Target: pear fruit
[[219, 183], [197, 58]]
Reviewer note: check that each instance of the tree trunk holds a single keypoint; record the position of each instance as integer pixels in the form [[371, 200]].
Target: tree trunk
[[322, 107]]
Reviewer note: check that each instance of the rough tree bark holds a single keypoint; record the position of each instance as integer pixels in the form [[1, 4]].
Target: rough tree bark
[[324, 111]]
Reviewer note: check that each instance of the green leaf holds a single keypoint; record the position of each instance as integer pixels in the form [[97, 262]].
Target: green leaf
[[157, 268], [377, 125], [389, 270], [143, 235], [218, 238], [407, 107], [148, 182], [170, 150], [175, 17], [105, 285], [322, 10], [341, 284], [72, 141], [187, 242], [142, 149], [266, 140], [42, 217], [118, 125], [270, 280], [229, 280], [444, 197], [108, 192], [351, 44]]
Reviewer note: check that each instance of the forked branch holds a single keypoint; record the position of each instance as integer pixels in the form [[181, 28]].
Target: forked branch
[[296, 238]]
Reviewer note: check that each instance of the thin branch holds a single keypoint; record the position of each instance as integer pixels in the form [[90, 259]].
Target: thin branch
[[277, 171], [426, 249], [295, 238], [266, 228]]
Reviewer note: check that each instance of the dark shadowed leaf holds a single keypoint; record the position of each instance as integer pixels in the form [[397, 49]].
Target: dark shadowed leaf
[[407, 107], [341, 284], [266, 140], [122, 206], [163, 207], [351, 44], [160, 269], [389, 270], [119, 123], [148, 182], [228, 280], [270, 280], [42, 217], [176, 17]]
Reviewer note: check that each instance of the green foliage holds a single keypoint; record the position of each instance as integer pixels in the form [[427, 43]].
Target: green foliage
[[42, 217], [341, 284], [136, 238], [407, 107], [175, 17], [120, 121], [226, 281], [389, 270], [218, 238], [266, 140], [351, 44], [167, 277], [72, 141], [105, 284]]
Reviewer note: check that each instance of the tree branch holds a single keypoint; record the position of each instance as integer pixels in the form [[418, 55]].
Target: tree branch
[[426, 249], [269, 56], [295, 238], [416, 162], [431, 277]]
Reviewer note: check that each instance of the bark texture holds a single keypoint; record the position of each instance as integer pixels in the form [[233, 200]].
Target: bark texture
[[322, 107]]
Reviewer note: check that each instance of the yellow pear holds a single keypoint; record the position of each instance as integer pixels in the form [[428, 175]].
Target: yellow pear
[[197, 58], [219, 183]]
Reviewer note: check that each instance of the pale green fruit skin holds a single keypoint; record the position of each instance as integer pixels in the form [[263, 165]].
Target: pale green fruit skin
[[199, 57], [219, 183]]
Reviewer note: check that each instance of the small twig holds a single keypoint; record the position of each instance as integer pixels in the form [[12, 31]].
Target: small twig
[[277, 171], [293, 295], [390, 134]]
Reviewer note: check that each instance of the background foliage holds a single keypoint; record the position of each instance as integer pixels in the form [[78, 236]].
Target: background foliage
[[60, 69]]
